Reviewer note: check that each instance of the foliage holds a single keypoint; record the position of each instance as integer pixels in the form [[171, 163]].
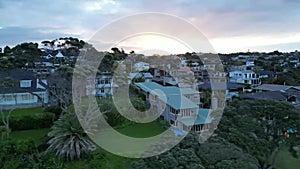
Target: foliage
[[24, 154], [292, 77], [55, 110], [20, 56], [35, 121], [68, 139], [262, 129], [191, 154]]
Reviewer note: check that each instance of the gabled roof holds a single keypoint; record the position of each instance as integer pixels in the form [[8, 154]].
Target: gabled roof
[[172, 95], [269, 95], [59, 55], [139, 75], [203, 117], [17, 75], [275, 87], [221, 86]]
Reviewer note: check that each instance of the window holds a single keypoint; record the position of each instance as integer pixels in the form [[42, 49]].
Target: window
[[172, 122], [27, 97], [25, 83], [102, 90], [8, 98], [172, 110]]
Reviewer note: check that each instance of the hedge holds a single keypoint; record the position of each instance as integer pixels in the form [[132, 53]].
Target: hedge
[[36, 121]]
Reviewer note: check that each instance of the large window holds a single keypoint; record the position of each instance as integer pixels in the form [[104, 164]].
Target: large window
[[8, 98], [27, 97], [25, 83]]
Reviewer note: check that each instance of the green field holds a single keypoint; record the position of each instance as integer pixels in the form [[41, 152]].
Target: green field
[[142, 130], [25, 112], [286, 161], [112, 161]]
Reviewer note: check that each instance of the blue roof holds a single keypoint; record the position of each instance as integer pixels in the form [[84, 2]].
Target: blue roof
[[203, 117], [148, 75], [172, 95]]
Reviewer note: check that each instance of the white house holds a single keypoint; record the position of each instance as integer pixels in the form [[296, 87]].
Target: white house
[[250, 63], [102, 85], [245, 77], [21, 89], [141, 66]]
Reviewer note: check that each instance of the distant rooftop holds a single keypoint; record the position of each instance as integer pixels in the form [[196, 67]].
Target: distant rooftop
[[275, 87]]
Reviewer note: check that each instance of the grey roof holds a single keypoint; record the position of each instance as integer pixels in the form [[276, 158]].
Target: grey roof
[[17, 75], [243, 71], [269, 95], [266, 72], [221, 86], [275, 87]]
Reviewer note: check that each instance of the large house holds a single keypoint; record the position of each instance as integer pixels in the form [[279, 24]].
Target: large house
[[180, 107], [245, 77], [20, 89], [102, 85]]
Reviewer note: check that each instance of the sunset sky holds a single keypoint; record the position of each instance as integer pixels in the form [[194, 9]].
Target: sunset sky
[[229, 25]]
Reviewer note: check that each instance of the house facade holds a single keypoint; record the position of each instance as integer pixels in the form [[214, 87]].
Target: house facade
[[245, 77], [180, 107], [141, 66], [102, 85], [20, 89]]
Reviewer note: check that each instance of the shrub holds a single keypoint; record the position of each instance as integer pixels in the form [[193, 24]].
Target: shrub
[[36, 121], [55, 110]]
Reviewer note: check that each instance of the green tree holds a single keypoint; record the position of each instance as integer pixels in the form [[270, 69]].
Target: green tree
[[68, 139], [261, 130]]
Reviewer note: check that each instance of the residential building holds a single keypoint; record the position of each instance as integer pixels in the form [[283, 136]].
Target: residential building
[[102, 85], [232, 89], [245, 77], [267, 74], [21, 89], [147, 77], [275, 92], [141, 66], [180, 107]]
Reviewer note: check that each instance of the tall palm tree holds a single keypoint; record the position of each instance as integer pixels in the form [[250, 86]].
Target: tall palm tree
[[68, 139]]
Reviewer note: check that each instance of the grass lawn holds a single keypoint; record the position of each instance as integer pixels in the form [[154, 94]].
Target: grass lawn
[[36, 134], [142, 130], [112, 161], [24, 112], [286, 161]]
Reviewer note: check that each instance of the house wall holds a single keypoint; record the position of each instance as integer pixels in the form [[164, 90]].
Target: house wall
[[22, 100]]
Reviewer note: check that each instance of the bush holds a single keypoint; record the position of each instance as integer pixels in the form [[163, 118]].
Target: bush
[[55, 110], [28, 122]]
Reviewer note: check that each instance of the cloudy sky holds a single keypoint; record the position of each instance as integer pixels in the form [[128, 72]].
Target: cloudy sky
[[229, 25]]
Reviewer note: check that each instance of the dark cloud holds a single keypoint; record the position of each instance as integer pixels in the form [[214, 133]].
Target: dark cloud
[[222, 18]]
